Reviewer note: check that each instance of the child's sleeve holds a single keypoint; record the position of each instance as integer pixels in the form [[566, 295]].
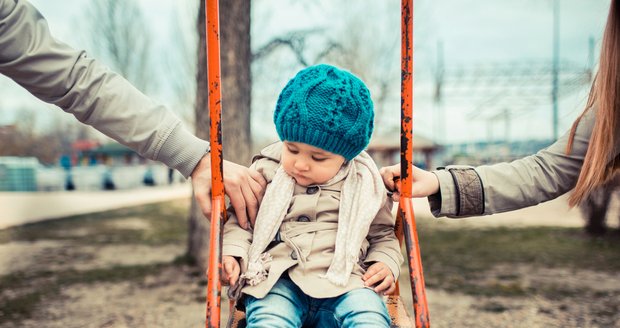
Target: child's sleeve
[[237, 240], [384, 246]]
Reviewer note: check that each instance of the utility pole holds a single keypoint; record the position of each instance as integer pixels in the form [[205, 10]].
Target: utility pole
[[507, 126], [556, 64], [591, 59], [439, 117]]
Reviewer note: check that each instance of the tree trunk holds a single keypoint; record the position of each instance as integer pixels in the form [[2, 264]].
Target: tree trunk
[[236, 100]]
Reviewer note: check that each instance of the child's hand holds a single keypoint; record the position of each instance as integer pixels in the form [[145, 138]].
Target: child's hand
[[380, 274], [231, 270], [425, 183]]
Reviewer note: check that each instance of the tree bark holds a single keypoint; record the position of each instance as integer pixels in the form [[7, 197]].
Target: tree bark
[[236, 101]]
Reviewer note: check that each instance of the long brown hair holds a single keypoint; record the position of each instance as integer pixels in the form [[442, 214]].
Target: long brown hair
[[605, 93]]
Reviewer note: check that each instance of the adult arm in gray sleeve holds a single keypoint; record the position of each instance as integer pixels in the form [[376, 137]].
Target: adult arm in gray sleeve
[[58, 74], [488, 189]]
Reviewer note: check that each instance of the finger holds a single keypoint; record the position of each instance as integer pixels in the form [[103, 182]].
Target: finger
[[251, 204], [256, 176], [257, 189], [238, 203], [388, 178], [235, 274], [202, 193], [384, 285], [228, 267], [370, 272], [391, 289], [375, 278], [395, 196], [397, 185], [227, 273]]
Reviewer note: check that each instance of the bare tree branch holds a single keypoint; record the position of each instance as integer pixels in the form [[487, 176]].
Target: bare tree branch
[[296, 42], [121, 37]]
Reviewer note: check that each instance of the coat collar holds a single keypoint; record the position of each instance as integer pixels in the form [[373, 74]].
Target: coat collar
[[272, 152]]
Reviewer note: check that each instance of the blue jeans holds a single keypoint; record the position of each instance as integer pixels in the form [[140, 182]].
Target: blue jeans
[[287, 306]]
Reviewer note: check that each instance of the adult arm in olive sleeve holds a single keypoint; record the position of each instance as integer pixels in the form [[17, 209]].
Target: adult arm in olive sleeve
[[488, 189], [60, 75]]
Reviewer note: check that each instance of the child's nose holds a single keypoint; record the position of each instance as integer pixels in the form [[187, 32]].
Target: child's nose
[[301, 165]]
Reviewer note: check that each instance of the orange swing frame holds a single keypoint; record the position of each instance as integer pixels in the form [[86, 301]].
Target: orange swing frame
[[405, 224]]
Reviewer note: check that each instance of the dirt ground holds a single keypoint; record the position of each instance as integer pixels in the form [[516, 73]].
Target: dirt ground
[[61, 281]]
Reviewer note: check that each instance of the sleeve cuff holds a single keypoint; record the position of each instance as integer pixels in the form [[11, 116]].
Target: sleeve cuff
[[182, 150], [236, 250], [461, 192], [444, 203]]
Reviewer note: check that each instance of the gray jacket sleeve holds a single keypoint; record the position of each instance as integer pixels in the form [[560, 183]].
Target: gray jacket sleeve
[[467, 191], [67, 78]]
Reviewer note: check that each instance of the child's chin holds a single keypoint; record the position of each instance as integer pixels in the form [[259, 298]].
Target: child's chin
[[303, 182]]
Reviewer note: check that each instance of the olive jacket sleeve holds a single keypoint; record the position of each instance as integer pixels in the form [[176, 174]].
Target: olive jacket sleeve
[[488, 189], [60, 75]]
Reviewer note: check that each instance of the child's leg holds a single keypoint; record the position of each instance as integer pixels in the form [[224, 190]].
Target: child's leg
[[357, 308], [285, 306]]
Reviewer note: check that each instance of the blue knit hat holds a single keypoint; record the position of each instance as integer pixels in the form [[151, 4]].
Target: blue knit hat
[[327, 108]]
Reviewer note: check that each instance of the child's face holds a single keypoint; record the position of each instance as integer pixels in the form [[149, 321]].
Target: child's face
[[309, 165]]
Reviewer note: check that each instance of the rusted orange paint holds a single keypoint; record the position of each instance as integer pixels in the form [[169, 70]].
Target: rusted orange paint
[[414, 260], [406, 96], [416, 274], [214, 287]]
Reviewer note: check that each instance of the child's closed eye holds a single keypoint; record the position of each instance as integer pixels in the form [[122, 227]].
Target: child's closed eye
[[318, 159]]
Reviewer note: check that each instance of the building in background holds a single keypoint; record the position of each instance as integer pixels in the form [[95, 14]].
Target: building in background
[[386, 150]]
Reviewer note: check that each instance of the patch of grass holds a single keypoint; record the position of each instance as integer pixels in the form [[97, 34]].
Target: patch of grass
[[20, 307], [494, 307], [459, 260], [167, 223], [22, 292], [31, 288]]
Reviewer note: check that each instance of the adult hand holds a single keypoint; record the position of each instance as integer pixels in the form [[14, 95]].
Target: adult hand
[[231, 270], [379, 274], [245, 189], [425, 183]]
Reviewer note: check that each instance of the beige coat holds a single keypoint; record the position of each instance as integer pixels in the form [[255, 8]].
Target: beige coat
[[60, 75], [308, 235]]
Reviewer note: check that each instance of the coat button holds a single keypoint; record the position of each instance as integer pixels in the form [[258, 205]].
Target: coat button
[[294, 255], [312, 190], [303, 218]]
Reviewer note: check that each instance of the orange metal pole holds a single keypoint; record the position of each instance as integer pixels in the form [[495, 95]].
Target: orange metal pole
[[215, 134], [420, 305]]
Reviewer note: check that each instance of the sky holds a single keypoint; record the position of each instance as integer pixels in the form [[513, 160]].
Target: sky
[[473, 33]]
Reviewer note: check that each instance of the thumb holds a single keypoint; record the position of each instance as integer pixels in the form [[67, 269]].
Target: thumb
[[227, 270]]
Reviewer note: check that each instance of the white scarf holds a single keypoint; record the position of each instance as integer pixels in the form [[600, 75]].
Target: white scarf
[[361, 198]]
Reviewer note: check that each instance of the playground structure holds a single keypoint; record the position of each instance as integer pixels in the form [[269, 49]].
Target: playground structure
[[405, 223]]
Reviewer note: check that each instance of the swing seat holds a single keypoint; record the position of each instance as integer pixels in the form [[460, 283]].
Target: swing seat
[[396, 310], [236, 318]]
